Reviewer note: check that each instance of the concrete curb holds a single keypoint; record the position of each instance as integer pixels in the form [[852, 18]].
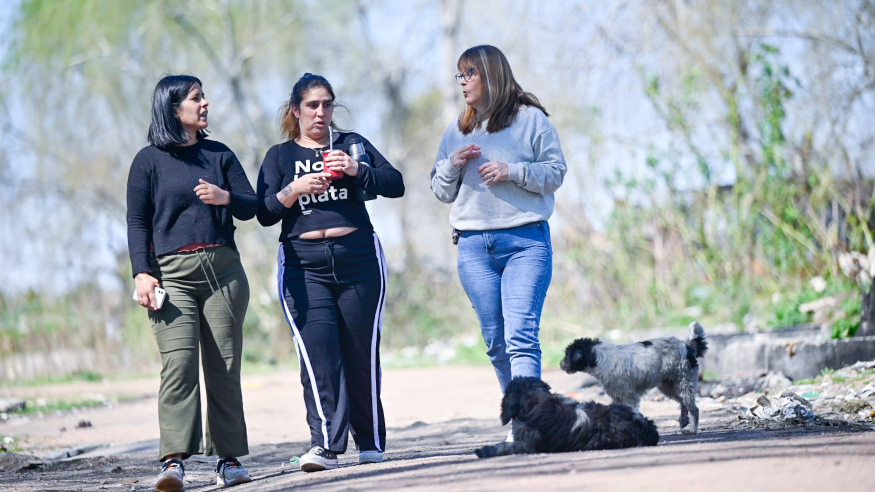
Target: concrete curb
[[797, 353]]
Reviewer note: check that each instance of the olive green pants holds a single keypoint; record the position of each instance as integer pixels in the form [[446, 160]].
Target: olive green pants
[[207, 297]]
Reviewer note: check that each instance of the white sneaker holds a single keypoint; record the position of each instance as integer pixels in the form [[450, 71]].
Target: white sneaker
[[509, 437], [318, 459], [230, 472], [370, 457]]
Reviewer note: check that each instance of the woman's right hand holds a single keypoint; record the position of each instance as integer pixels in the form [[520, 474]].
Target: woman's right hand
[[146, 289], [460, 156], [308, 183]]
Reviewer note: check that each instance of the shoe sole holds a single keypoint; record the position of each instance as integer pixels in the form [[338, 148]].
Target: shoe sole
[[237, 481], [170, 484], [365, 458], [312, 466]]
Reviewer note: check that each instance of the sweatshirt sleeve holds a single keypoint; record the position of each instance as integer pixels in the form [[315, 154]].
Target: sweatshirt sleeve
[[244, 203], [380, 177], [545, 175], [139, 215], [445, 179], [270, 182]]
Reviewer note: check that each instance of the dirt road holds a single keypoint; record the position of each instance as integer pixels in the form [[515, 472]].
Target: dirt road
[[436, 417]]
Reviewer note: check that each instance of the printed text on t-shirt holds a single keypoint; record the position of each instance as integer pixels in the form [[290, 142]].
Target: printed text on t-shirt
[[331, 193]]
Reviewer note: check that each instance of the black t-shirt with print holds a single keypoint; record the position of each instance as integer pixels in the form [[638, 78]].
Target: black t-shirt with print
[[336, 207]]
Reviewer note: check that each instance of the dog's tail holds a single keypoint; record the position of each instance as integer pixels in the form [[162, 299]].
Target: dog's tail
[[697, 346]]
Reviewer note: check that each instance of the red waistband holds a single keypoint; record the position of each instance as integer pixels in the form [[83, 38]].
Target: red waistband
[[188, 248]]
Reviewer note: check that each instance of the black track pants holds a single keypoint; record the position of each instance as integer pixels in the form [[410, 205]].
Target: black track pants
[[332, 291]]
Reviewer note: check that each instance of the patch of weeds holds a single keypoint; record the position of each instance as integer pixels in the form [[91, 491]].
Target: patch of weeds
[[785, 312], [42, 406], [681, 319], [471, 354], [11, 445], [846, 327], [710, 376], [551, 355], [805, 381], [864, 374], [78, 376], [852, 406]]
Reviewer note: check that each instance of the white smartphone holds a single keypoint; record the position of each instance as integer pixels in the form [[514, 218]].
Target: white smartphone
[[160, 295]]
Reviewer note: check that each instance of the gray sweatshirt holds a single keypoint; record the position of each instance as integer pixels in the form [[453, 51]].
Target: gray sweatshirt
[[529, 147]]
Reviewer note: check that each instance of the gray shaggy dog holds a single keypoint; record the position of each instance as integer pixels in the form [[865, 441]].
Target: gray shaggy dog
[[549, 423], [626, 372]]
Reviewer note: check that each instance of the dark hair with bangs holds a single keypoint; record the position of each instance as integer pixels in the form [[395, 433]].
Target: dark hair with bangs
[[503, 94], [166, 129], [289, 126]]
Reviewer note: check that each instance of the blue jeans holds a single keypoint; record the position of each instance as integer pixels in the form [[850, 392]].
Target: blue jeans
[[506, 273]]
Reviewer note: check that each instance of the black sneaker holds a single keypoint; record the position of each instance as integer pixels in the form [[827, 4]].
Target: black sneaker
[[318, 459], [171, 477], [230, 472]]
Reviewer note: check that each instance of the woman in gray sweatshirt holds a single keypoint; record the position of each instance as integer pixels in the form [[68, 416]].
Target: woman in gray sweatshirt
[[499, 164]]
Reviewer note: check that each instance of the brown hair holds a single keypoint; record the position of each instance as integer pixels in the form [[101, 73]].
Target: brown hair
[[503, 94], [289, 126]]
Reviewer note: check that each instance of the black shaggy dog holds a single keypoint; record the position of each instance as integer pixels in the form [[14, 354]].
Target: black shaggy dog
[[550, 423]]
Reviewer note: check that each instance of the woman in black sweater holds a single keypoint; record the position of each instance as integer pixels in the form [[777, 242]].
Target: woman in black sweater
[[183, 192], [332, 272]]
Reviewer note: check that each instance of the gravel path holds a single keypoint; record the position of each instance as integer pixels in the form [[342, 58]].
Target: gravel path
[[436, 417]]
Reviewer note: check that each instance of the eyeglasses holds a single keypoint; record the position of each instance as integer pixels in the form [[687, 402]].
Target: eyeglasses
[[467, 74]]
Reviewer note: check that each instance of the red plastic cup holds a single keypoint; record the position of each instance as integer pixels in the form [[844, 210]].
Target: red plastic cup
[[334, 174]]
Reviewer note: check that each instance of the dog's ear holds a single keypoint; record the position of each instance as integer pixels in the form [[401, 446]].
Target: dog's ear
[[579, 355], [512, 401], [517, 396]]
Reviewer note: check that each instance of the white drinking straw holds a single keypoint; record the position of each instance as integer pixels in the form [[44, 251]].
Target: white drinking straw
[[330, 138]]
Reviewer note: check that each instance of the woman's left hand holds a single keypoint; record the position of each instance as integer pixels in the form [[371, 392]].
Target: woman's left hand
[[339, 161], [493, 171], [212, 194]]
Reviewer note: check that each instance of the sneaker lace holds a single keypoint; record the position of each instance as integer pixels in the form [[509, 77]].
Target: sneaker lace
[[173, 463], [320, 451], [227, 463]]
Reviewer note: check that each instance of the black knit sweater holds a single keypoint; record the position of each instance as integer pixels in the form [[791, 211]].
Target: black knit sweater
[[164, 214]]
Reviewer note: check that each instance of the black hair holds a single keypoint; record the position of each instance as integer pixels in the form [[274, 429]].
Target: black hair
[[165, 129]]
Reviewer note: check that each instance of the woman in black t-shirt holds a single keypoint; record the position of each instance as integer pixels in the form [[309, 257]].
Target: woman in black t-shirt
[[182, 193], [332, 272]]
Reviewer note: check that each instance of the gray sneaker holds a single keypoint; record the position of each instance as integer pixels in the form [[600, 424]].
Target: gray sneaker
[[230, 472], [171, 477], [318, 459], [372, 456]]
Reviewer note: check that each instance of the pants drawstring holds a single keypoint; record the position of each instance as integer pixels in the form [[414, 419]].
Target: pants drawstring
[[329, 254], [204, 259]]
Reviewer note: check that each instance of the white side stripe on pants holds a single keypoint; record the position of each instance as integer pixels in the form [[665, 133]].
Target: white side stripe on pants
[[378, 324], [302, 351]]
